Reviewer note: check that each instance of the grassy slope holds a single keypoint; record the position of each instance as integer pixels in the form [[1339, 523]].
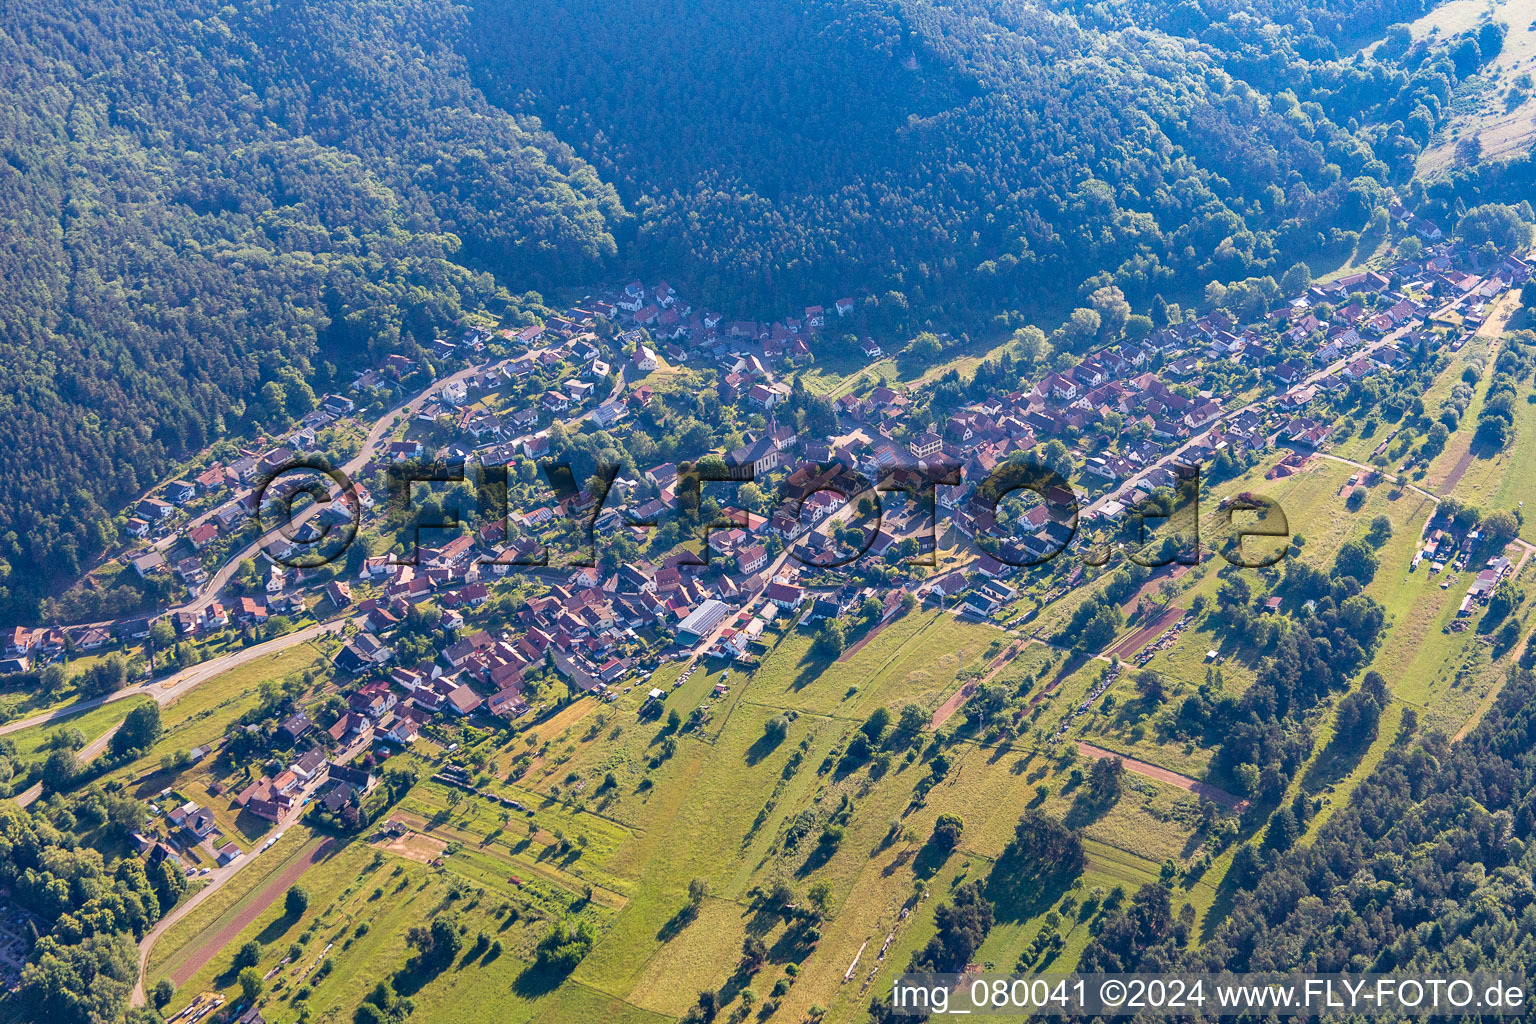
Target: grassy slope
[[717, 808], [1480, 106]]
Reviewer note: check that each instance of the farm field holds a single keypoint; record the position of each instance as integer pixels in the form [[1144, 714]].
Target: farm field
[[675, 832], [199, 717], [619, 779], [363, 902], [1444, 674], [374, 652], [866, 860], [623, 862], [184, 939], [1487, 479]]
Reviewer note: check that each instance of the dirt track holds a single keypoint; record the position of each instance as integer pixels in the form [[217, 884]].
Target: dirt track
[[1457, 472], [1143, 636], [1497, 321], [264, 899], [959, 697], [1215, 794], [867, 637], [1147, 589]]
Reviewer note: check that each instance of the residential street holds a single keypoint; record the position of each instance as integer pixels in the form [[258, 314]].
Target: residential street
[[165, 691], [218, 877], [1172, 458]]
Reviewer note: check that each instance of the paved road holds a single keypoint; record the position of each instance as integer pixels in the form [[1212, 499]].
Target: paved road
[[164, 691], [169, 689], [378, 436], [752, 603], [318, 849], [85, 755], [747, 608], [1173, 457], [220, 876], [174, 687], [382, 429]]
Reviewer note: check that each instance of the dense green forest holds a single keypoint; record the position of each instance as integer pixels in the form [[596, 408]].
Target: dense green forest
[[92, 909], [1428, 869], [212, 213], [199, 200], [971, 154]]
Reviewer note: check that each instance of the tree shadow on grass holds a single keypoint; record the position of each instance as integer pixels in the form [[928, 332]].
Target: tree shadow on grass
[[414, 976], [818, 857], [1337, 760], [1483, 449], [739, 979], [791, 947], [929, 859], [275, 929], [1133, 712], [902, 856], [677, 922], [849, 763], [1227, 890], [1085, 810], [812, 665], [535, 981], [1074, 662], [665, 731], [766, 744], [1221, 906], [760, 921], [1019, 889], [1001, 750]]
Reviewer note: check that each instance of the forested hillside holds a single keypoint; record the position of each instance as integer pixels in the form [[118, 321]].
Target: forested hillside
[[202, 200], [1427, 871], [213, 211], [965, 153]]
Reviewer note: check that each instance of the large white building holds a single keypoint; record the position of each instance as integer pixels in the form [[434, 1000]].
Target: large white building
[[703, 619]]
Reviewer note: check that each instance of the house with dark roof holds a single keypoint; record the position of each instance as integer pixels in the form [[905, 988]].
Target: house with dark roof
[[762, 455], [294, 726]]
